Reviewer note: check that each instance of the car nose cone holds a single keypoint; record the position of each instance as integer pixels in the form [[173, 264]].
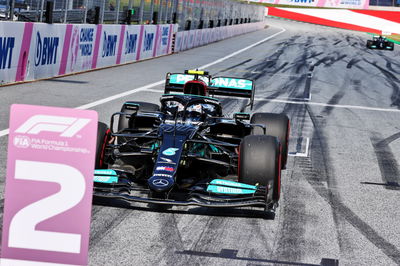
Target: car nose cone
[[160, 183]]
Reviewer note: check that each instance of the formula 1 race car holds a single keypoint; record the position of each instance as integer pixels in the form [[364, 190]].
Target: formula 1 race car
[[379, 42], [185, 152]]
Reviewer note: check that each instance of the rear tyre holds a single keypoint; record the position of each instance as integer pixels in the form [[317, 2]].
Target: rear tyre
[[260, 163], [369, 44], [277, 125], [103, 135], [123, 121]]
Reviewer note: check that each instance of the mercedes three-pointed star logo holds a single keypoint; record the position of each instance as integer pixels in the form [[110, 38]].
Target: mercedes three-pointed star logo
[[160, 182]]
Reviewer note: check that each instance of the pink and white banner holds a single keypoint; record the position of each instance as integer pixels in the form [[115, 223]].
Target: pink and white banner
[[49, 183], [46, 50], [10, 49], [189, 39], [147, 41], [32, 51]]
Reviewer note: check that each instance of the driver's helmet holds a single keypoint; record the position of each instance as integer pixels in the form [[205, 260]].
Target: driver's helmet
[[195, 113], [195, 87]]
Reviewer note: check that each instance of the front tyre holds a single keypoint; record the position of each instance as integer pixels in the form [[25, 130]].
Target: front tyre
[[260, 163], [277, 125]]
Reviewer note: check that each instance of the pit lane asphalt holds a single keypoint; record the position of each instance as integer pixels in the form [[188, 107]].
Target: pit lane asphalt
[[339, 201]]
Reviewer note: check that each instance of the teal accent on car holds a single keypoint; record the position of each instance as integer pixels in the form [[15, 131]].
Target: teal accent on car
[[214, 148], [105, 176], [232, 83], [229, 190], [230, 183], [104, 172], [183, 78], [170, 151]]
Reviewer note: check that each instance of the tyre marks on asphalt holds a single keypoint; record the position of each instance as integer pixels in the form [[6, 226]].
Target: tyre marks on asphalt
[[104, 220], [386, 160], [392, 80], [170, 241], [321, 168]]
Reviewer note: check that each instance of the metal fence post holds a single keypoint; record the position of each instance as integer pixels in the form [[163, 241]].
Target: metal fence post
[[117, 10], [65, 13], [159, 15], [141, 11], [12, 10], [103, 7], [166, 11], [151, 11], [85, 3], [41, 10]]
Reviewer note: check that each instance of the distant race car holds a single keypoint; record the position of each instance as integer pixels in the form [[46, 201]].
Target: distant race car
[[185, 152], [379, 42]]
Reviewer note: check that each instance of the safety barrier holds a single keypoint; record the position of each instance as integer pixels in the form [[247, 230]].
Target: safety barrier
[[379, 22], [30, 51], [185, 40]]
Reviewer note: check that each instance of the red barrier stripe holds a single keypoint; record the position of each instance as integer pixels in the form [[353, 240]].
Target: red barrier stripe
[[388, 15], [277, 12]]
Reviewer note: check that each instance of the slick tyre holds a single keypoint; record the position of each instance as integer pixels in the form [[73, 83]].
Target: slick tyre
[[103, 135], [123, 121], [260, 163], [369, 44], [277, 125]]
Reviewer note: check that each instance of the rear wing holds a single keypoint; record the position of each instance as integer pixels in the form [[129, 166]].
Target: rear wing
[[230, 86], [175, 81], [227, 86]]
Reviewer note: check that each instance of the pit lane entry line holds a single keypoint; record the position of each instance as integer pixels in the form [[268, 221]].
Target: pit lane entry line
[[5, 132]]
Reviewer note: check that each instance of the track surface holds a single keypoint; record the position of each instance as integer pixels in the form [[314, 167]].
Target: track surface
[[340, 199]]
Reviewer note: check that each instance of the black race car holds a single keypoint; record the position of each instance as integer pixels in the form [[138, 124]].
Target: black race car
[[185, 152], [379, 42]]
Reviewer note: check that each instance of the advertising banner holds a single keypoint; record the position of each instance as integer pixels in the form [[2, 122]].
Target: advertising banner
[[108, 45], [81, 48], [148, 42], [46, 50], [49, 183], [11, 36], [130, 44], [164, 35], [178, 41]]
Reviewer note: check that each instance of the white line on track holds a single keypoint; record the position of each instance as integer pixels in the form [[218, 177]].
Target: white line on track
[[331, 105], [147, 87], [302, 154]]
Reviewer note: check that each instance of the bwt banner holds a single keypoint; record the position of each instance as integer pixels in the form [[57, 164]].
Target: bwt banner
[[30, 51], [10, 48], [358, 4], [185, 40], [46, 50]]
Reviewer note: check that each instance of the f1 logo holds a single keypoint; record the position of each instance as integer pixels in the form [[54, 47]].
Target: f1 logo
[[67, 126]]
